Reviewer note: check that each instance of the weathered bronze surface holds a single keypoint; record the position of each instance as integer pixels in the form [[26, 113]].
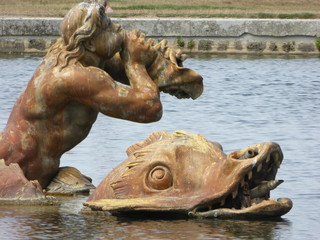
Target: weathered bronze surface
[[185, 173], [69, 181], [79, 78], [15, 186]]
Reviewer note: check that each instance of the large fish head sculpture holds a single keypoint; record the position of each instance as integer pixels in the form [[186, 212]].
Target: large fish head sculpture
[[186, 174]]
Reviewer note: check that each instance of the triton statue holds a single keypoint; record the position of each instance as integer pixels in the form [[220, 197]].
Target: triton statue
[[78, 78], [185, 174]]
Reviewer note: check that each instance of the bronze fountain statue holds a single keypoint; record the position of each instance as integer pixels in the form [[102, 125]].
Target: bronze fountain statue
[[98, 67], [78, 78]]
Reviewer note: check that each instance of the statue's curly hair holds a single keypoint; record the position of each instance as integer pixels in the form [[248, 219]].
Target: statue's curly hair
[[81, 23]]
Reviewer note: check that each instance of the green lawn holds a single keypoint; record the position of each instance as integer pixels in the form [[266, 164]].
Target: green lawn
[[301, 9]]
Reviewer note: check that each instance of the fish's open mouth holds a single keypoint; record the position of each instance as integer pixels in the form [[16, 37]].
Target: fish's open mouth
[[185, 90], [178, 93], [250, 197]]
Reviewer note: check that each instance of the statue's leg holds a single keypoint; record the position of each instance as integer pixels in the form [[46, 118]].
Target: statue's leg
[[15, 188], [69, 180]]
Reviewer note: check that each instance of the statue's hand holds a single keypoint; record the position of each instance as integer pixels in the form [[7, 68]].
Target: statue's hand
[[136, 50], [173, 55]]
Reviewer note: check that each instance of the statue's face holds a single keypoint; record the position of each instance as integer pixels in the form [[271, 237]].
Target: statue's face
[[109, 40]]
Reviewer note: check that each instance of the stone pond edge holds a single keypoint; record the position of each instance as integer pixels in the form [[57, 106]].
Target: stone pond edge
[[236, 36]]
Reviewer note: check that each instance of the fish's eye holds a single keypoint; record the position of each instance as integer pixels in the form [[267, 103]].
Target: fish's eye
[[250, 154], [159, 178]]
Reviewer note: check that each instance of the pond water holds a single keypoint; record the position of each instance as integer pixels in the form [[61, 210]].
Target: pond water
[[246, 100]]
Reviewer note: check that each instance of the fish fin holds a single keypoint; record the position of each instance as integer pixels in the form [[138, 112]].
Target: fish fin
[[120, 188], [154, 137]]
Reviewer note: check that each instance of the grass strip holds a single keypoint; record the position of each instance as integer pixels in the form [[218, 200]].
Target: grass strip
[[171, 7]]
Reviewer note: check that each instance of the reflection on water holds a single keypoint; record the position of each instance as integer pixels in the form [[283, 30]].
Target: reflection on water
[[50, 222], [246, 100]]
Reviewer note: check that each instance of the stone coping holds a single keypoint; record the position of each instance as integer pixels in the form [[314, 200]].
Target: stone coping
[[196, 35], [174, 27]]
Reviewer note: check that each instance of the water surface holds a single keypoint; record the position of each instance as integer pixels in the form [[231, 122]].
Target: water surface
[[247, 100]]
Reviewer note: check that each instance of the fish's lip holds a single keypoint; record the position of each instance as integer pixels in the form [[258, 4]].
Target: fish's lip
[[265, 209], [159, 204]]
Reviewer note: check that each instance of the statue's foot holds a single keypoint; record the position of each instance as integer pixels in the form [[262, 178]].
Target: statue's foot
[[69, 181], [15, 188]]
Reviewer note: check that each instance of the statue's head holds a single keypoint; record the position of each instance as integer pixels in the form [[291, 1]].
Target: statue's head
[[86, 27], [81, 23]]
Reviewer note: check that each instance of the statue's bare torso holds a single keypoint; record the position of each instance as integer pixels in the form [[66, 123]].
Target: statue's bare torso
[[43, 125], [58, 107]]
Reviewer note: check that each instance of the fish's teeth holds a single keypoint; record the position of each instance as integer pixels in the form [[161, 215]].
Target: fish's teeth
[[250, 175], [264, 188], [278, 163], [274, 183], [235, 193], [259, 167], [223, 201], [242, 182], [268, 158]]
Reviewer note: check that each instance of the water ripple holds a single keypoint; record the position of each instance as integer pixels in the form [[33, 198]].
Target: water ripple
[[246, 100]]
